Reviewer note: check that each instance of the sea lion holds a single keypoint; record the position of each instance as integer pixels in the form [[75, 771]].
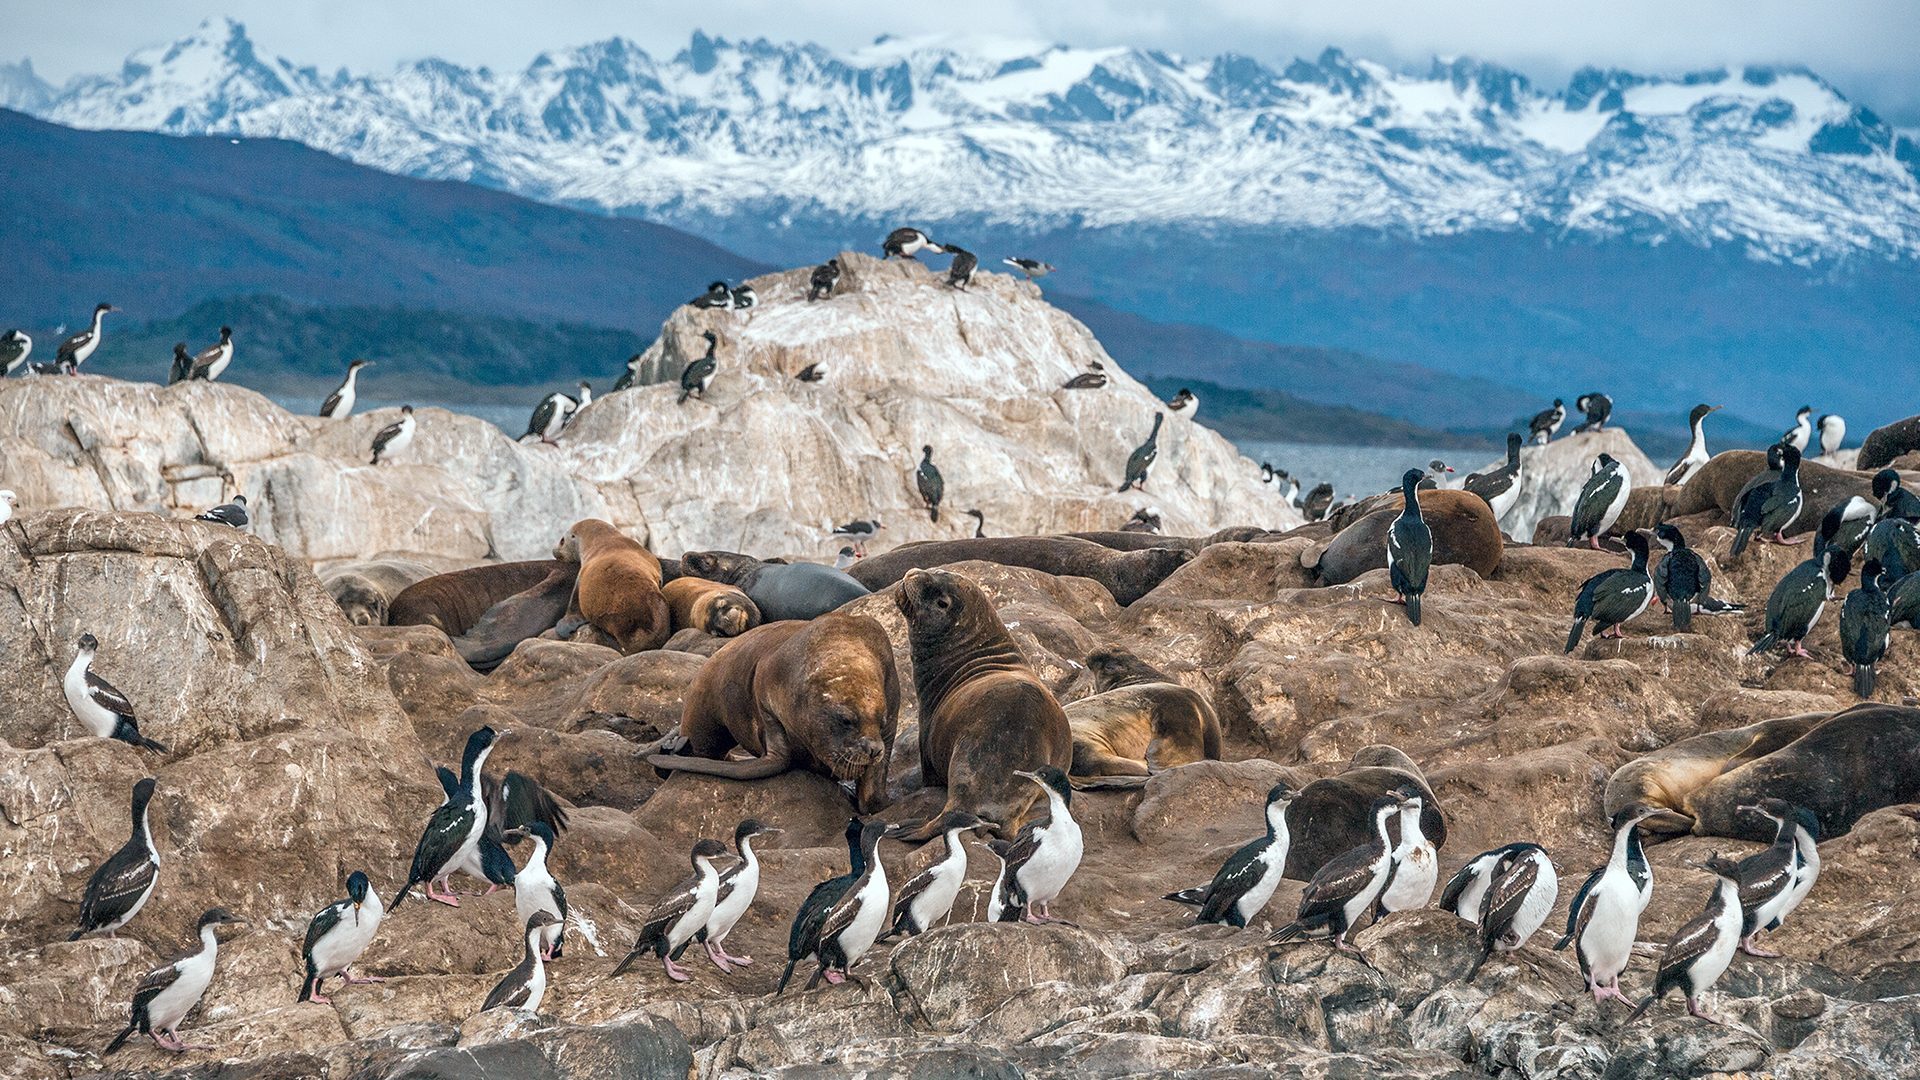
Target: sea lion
[[1667, 778], [453, 602], [1720, 482], [1464, 532], [780, 590], [1136, 541], [526, 614], [984, 716], [1138, 721], [1128, 575], [821, 695], [365, 589], [1330, 816], [720, 610], [1883, 444], [619, 585]]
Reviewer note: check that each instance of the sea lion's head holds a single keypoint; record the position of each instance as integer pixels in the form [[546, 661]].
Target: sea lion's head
[[730, 615], [1111, 667], [726, 567], [360, 600], [936, 603], [1148, 567]]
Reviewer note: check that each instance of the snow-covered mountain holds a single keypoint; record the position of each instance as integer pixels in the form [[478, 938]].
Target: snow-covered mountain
[[1772, 160]]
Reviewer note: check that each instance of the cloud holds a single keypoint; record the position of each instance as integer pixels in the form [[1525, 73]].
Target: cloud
[[1864, 46]]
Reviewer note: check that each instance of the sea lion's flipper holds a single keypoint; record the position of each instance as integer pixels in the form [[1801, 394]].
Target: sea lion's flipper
[[1106, 783], [777, 759]]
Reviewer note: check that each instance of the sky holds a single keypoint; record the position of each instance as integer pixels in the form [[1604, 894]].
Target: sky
[[1868, 48]]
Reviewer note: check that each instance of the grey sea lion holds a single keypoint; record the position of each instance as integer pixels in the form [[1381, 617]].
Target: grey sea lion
[[1667, 779], [780, 590], [1330, 816], [1464, 533], [365, 589]]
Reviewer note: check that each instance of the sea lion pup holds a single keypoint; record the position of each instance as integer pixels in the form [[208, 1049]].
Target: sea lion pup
[[454, 602], [365, 588], [720, 610], [984, 716], [780, 590], [618, 590], [1137, 722]]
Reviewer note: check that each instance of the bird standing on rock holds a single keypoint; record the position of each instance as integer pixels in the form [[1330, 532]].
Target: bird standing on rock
[[1598, 409], [1696, 455], [803, 938], [77, 349], [1500, 489], [525, 986], [1092, 379], [1416, 865], [820, 283], [631, 376], [1547, 422], [1344, 890], [1140, 462], [1833, 433], [1605, 915], [182, 368], [960, 271], [1800, 435], [1698, 955], [105, 712], [1683, 582], [698, 375], [15, 347], [488, 861], [1799, 598], [395, 437], [842, 918], [1865, 628], [550, 417], [681, 914], [743, 298], [1409, 549], [535, 890], [1851, 521], [231, 514], [1767, 877], [338, 935], [928, 896], [1601, 500], [454, 830], [1612, 598], [122, 885], [718, 295], [1245, 882], [1466, 891], [932, 486], [1044, 855], [1521, 892], [1185, 403], [814, 372], [1769, 509], [339, 404], [859, 532], [169, 992], [739, 884], [907, 243], [211, 362]]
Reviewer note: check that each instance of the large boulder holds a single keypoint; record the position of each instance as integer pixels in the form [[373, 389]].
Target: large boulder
[[1551, 476]]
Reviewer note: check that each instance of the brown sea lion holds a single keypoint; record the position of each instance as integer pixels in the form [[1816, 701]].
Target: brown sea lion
[[1464, 533], [1884, 444], [781, 590], [1330, 816], [720, 610], [619, 585], [1848, 766], [984, 715], [526, 614], [454, 602], [1719, 483], [1128, 575], [365, 589], [1668, 778], [820, 695], [1138, 721]]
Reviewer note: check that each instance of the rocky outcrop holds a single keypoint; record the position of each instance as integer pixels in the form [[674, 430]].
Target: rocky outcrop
[[1551, 476]]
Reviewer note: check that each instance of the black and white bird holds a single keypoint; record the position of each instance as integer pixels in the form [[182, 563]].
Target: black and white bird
[[585, 399], [339, 404], [859, 532], [1851, 521], [680, 914], [169, 992], [928, 896], [931, 484], [182, 367], [231, 514], [1245, 882], [1546, 423], [907, 243], [1416, 865], [7, 499], [1033, 268], [535, 890], [1185, 403], [1437, 476], [1866, 621], [550, 417], [395, 437], [718, 295], [1144, 520], [1699, 953], [1409, 549], [212, 362], [1895, 500], [1806, 838], [517, 801], [842, 918], [488, 861], [743, 297], [1612, 598], [120, 887], [1287, 485], [1683, 581], [1140, 462], [1500, 488], [820, 283], [1044, 855], [1696, 455], [1092, 379], [738, 886], [814, 372], [1521, 891], [104, 711], [15, 347], [1598, 409], [1798, 600], [960, 271], [846, 557], [1344, 890], [1894, 540], [698, 375], [1318, 503], [1769, 509], [1466, 891], [1605, 916], [453, 832], [1832, 431], [525, 986], [76, 350], [979, 523], [338, 935], [1800, 435], [1601, 500], [630, 377], [1767, 877]]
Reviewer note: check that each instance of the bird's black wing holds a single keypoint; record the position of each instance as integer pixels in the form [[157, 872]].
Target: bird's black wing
[[1457, 884], [332, 403], [520, 800], [445, 831], [119, 884], [1024, 847], [671, 907], [1236, 875], [1694, 939], [72, 345], [804, 937], [103, 693], [1599, 492], [1504, 897], [1580, 911], [1337, 882], [387, 434], [153, 982], [1762, 876], [1410, 543], [449, 780], [512, 990], [323, 924], [910, 892]]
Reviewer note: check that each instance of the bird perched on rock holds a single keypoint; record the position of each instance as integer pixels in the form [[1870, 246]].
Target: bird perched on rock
[[842, 918], [1521, 891], [1185, 403], [395, 437], [1865, 628], [211, 362], [1767, 877], [1409, 549], [77, 349], [1798, 599], [338, 935], [231, 514], [121, 886], [631, 376], [1806, 838], [1346, 887], [7, 499], [820, 283], [182, 368], [1500, 488], [585, 399], [1601, 500], [1598, 409], [845, 558], [803, 938], [454, 830], [1683, 582], [718, 295], [1612, 598], [1436, 475], [1832, 431], [1895, 500], [1318, 502], [1032, 268], [1800, 435], [535, 890], [960, 271], [1044, 855], [15, 347], [550, 417], [907, 243], [1769, 509], [1696, 454], [1140, 462], [1144, 520], [339, 404], [1466, 891], [1848, 523], [814, 372], [682, 913], [743, 297], [1605, 916], [698, 375], [927, 897], [1699, 953], [738, 886], [104, 711], [932, 486], [488, 861], [169, 992], [525, 986], [1092, 379], [1245, 882], [1416, 866], [979, 523], [1546, 423], [859, 532]]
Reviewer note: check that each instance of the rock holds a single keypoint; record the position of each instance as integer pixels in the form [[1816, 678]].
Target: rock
[[955, 975]]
